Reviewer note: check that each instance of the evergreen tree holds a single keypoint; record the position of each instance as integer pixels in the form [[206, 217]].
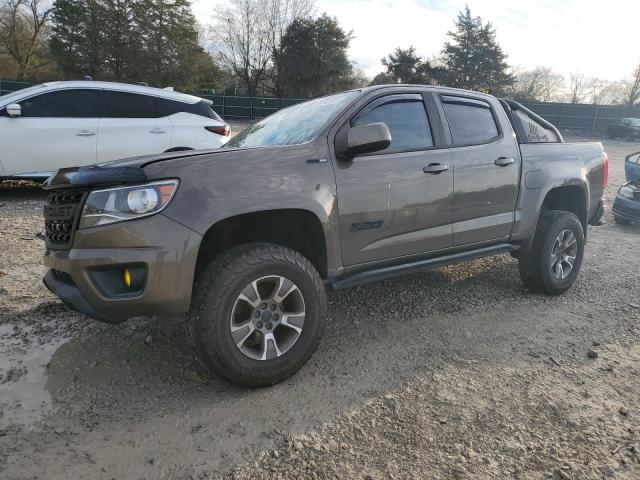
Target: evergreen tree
[[313, 57], [75, 37], [155, 41], [404, 66], [168, 42], [382, 78], [474, 60]]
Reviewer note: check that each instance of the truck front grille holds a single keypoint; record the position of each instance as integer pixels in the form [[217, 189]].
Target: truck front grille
[[61, 214]]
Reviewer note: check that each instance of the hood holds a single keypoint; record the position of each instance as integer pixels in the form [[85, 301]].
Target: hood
[[117, 172]]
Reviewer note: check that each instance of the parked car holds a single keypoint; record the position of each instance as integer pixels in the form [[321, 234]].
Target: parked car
[[626, 207], [63, 124], [632, 167], [337, 191], [627, 128]]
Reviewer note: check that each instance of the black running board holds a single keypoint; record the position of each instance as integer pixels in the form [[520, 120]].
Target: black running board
[[381, 273]]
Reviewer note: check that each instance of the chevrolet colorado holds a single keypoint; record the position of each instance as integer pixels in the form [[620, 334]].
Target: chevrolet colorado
[[341, 190]]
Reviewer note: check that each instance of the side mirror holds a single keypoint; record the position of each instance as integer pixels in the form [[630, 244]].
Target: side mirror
[[368, 138], [14, 110]]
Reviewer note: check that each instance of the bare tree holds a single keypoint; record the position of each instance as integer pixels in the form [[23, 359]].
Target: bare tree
[[247, 34], [606, 92], [551, 84], [579, 86], [243, 41], [634, 88], [23, 27], [541, 83]]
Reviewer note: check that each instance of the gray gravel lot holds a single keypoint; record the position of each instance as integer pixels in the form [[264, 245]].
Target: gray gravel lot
[[453, 373]]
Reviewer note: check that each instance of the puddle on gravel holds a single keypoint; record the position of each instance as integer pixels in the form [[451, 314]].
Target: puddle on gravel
[[23, 375]]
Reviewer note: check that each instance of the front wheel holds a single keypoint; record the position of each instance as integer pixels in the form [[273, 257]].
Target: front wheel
[[258, 311], [554, 262]]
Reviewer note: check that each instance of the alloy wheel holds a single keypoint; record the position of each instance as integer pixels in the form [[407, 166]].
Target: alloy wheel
[[267, 317], [563, 254]]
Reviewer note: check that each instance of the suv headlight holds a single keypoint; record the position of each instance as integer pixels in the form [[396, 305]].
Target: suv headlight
[[626, 191], [126, 203]]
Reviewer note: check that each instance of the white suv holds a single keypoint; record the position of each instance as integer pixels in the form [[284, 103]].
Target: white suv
[[63, 124]]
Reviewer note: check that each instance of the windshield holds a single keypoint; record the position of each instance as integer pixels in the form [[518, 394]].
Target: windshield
[[293, 125]]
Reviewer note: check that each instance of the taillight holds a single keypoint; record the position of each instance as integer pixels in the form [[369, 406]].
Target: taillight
[[605, 170], [224, 130]]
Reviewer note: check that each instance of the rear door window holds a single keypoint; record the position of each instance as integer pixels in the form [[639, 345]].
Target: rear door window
[[62, 104], [129, 105], [471, 121], [406, 119]]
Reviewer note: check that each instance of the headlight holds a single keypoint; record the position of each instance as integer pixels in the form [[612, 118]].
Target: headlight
[[126, 203], [626, 191]]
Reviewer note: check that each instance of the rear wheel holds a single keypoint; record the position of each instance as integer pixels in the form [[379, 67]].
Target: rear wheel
[[259, 311], [554, 262]]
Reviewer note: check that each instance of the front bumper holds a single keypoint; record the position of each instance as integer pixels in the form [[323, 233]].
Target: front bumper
[[626, 208], [165, 249]]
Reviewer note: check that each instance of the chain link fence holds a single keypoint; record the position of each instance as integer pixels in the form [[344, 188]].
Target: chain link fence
[[9, 86], [566, 116], [580, 117], [249, 108]]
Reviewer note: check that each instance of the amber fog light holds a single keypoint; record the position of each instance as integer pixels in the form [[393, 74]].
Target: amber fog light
[[120, 281]]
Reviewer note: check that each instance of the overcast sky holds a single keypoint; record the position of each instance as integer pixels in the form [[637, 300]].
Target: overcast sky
[[598, 38]]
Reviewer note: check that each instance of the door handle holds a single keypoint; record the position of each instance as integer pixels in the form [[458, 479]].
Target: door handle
[[504, 161], [435, 168], [85, 133], [157, 130]]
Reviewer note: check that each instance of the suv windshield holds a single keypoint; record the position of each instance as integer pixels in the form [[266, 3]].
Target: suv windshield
[[293, 125]]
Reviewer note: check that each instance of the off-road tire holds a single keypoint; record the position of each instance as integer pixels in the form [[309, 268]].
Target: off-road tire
[[621, 221], [535, 265], [215, 294]]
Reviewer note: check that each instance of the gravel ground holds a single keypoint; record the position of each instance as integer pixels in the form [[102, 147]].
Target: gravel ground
[[453, 373]]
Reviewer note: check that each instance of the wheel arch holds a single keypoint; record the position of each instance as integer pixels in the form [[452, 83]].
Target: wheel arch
[[298, 229], [569, 197]]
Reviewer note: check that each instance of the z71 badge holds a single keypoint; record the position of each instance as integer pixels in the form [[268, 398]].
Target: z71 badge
[[359, 226]]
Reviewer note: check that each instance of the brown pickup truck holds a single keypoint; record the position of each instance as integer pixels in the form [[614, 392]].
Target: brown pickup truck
[[337, 191]]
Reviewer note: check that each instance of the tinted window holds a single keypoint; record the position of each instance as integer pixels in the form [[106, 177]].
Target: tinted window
[[129, 105], [535, 133], [62, 104], [407, 122], [471, 122], [294, 125]]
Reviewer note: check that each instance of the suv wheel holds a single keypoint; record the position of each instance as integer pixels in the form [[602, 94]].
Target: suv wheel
[[553, 264], [258, 311]]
